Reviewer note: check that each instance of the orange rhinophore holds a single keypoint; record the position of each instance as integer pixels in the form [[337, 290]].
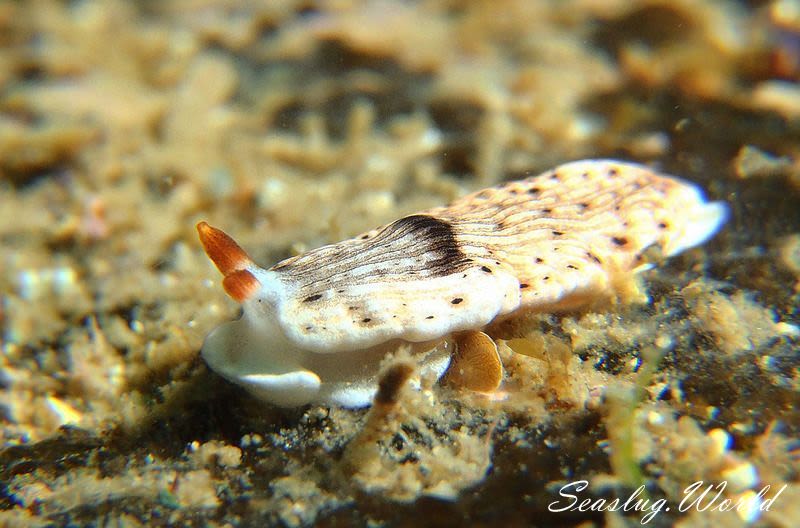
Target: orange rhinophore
[[231, 260], [240, 285]]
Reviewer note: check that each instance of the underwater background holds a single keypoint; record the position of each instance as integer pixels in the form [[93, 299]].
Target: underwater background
[[294, 124]]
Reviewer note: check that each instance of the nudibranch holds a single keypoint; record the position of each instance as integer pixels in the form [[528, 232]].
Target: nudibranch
[[315, 327]]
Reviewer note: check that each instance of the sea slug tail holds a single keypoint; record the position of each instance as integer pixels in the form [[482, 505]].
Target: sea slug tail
[[702, 222]]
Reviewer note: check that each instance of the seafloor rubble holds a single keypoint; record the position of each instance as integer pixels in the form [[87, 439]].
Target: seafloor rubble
[[296, 123]]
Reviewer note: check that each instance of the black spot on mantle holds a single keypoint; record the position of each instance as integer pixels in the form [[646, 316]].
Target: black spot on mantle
[[434, 238]]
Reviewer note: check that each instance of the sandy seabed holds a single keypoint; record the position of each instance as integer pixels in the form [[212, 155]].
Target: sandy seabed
[[292, 124]]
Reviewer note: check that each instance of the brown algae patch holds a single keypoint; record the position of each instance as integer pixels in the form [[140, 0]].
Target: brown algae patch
[[737, 322], [402, 453]]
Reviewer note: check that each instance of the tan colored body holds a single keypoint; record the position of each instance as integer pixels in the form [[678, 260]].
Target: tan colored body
[[546, 243]]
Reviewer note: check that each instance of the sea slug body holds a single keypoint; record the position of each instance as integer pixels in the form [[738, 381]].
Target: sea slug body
[[315, 327]]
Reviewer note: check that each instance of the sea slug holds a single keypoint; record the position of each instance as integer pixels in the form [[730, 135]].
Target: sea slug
[[316, 326]]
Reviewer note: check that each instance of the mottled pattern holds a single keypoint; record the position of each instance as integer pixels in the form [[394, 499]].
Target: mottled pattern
[[411, 248], [567, 232], [548, 242]]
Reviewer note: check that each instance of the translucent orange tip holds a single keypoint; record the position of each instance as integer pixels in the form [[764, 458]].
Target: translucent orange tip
[[231, 260], [223, 251]]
